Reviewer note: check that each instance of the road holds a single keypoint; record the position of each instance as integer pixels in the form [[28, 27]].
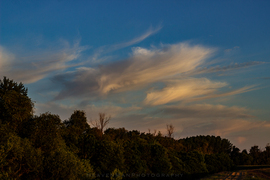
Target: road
[[237, 175]]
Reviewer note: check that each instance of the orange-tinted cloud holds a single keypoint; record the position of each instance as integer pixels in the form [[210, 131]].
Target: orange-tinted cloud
[[185, 89], [142, 68]]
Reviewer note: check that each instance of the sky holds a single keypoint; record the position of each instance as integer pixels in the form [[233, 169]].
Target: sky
[[202, 66]]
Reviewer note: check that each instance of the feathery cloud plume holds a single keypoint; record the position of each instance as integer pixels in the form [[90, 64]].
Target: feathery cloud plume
[[178, 90], [143, 67]]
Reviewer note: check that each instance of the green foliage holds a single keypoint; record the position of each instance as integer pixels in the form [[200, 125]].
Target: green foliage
[[235, 155], [18, 158], [218, 162], [194, 162], [78, 122], [266, 155], [245, 159], [63, 164], [46, 132], [120, 133], [109, 156], [16, 107], [207, 144], [133, 161], [255, 154], [170, 143], [87, 145], [177, 164], [159, 162], [74, 128]]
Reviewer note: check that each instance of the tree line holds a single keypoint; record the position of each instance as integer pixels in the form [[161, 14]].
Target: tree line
[[45, 147]]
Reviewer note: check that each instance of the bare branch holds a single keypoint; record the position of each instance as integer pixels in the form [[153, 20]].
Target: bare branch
[[95, 124], [103, 121], [170, 130]]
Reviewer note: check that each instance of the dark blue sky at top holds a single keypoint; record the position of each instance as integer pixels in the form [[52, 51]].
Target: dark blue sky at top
[[216, 23]]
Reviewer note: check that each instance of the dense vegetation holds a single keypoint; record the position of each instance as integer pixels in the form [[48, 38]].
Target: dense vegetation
[[44, 147]]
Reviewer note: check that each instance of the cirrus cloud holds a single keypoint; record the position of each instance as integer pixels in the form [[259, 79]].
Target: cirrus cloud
[[33, 68], [143, 67], [185, 89]]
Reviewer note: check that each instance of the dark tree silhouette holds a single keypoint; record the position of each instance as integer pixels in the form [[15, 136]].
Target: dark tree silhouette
[[255, 154], [16, 107]]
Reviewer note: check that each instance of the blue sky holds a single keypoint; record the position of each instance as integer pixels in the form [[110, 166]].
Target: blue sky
[[202, 66]]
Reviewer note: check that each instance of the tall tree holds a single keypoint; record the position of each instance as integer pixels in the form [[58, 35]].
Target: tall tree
[[77, 122], [16, 107], [74, 129], [236, 155], [255, 154]]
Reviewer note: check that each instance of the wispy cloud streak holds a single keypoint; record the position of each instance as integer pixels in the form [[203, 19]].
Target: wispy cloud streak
[[230, 93], [142, 68], [31, 69], [185, 89], [96, 58], [136, 40], [225, 68]]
